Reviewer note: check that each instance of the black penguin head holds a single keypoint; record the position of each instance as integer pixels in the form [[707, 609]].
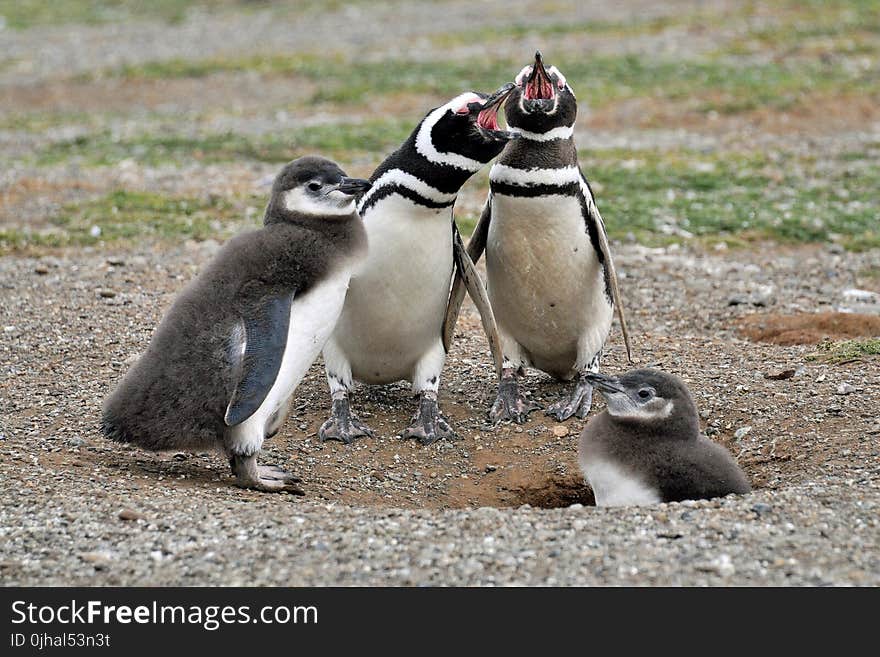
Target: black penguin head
[[314, 186], [541, 100], [646, 396], [464, 132]]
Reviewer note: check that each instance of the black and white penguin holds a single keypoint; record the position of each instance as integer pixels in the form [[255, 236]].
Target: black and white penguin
[[223, 363], [646, 447], [551, 279], [391, 327]]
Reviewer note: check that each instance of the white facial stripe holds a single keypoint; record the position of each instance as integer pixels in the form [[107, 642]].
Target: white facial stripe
[[298, 200], [520, 77], [562, 132], [425, 145], [506, 174], [398, 177], [560, 81], [633, 412]]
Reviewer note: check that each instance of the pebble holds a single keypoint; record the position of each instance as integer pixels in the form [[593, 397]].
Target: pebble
[[106, 294], [845, 389], [742, 432], [131, 514], [560, 431], [780, 375]]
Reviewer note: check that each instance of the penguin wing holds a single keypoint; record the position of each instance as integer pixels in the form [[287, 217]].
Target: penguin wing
[[477, 291], [591, 211], [475, 248], [266, 322]]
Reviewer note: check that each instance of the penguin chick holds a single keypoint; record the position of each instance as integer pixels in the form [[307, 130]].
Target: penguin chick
[[646, 447], [223, 363]]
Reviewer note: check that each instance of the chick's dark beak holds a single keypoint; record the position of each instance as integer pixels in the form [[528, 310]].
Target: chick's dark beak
[[604, 383], [354, 186]]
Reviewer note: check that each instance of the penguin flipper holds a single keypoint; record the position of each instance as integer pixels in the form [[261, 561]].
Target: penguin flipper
[[477, 291], [265, 326], [610, 271], [475, 248]]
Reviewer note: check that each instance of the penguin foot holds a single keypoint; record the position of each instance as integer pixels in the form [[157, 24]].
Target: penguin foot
[[428, 425], [578, 404], [343, 425], [267, 478], [510, 405]]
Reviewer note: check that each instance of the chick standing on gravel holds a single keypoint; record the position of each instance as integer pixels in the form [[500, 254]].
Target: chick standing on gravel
[[225, 360], [646, 447]]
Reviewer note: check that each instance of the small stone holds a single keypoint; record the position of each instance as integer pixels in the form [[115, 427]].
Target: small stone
[[116, 261], [737, 300], [781, 375], [106, 294], [95, 231], [491, 468], [180, 456], [378, 476], [845, 389], [99, 559], [761, 508], [742, 432], [42, 270], [560, 431], [130, 514]]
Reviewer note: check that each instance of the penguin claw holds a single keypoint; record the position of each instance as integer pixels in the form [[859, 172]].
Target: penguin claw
[[343, 425], [578, 404], [428, 425], [266, 478], [510, 405]]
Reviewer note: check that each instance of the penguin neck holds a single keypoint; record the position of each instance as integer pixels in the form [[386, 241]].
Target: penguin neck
[[530, 154], [345, 230], [677, 427], [409, 173]]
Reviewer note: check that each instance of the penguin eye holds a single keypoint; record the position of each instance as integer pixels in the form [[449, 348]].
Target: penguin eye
[[314, 186], [646, 393]]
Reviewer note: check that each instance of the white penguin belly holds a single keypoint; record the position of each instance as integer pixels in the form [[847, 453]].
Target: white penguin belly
[[614, 486], [312, 318], [546, 283], [393, 314]]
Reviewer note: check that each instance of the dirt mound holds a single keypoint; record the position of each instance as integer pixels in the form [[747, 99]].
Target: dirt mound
[[808, 328]]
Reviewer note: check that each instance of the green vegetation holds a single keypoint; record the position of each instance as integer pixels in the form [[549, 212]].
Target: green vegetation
[[846, 351], [126, 215], [738, 199], [721, 85], [342, 141]]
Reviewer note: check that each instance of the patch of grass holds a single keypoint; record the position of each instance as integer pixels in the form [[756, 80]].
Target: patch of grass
[[23, 14], [338, 141], [721, 85], [660, 197], [850, 27], [126, 215], [846, 351], [504, 33]]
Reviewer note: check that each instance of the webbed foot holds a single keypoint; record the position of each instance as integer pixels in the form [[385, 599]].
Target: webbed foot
[[267, 478], [428, 425], [510, 404], [343, 425]]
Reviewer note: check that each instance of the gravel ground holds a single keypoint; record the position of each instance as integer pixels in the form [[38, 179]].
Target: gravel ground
[[502, 505]]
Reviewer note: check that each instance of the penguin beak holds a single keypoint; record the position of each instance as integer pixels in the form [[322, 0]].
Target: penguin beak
[[538, 89], [487, 118], [604, 383], [354, 186]]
